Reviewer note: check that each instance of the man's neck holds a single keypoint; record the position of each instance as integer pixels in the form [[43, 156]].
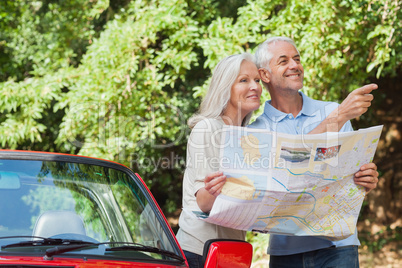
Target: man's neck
[[288, 103]]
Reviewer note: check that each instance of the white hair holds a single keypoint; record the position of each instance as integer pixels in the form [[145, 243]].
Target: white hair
[[218, 95], [263, 55]]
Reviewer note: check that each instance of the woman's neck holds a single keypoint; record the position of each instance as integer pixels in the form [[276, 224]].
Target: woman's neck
[[234, 119]]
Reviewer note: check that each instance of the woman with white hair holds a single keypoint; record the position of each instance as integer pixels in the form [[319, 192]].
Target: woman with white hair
[[234, 93]]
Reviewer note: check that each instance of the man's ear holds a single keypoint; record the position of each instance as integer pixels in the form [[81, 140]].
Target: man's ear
[[265, 75]]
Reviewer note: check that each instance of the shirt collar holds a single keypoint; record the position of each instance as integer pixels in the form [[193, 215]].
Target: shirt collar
[[276, 115], [309, 108]]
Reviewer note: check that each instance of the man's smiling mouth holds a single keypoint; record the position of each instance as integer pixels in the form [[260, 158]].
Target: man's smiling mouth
[[293, 75]]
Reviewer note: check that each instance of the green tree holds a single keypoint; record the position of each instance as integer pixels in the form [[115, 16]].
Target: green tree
[[119, 79]]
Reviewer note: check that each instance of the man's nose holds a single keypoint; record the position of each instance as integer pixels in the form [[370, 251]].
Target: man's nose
[[293, 64]]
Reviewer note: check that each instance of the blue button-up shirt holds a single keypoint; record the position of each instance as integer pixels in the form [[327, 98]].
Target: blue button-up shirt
[[311, 115]]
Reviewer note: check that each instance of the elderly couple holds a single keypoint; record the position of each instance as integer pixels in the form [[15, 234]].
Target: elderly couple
[[233, 95]]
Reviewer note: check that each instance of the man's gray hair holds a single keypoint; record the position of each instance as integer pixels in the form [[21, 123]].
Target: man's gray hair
[[218, 95], [263, 55]]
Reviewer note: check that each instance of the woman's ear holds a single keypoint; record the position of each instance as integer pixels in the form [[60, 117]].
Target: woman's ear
[[265, 75]]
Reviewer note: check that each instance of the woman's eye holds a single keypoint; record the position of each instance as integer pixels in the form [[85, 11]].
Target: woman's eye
[[243, 80]]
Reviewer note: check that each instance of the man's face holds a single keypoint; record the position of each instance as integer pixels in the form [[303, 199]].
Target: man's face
[[287, 73]]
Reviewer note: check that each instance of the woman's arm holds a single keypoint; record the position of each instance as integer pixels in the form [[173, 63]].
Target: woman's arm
[[213, 186], [205, 180]]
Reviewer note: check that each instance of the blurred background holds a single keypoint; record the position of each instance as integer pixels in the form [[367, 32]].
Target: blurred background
[[119, 79]]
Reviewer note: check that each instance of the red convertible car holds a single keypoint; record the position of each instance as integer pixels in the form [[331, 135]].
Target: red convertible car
[[59, 210]]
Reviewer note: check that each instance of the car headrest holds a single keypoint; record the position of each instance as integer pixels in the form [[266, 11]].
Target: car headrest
[[51, 223]]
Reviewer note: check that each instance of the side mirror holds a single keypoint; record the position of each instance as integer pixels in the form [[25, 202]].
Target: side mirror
[[224, 253]]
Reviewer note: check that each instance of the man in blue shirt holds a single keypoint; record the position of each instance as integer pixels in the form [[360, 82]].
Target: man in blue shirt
[[291, 111]]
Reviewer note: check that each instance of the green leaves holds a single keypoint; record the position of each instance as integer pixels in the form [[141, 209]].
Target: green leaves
[[119, 79]]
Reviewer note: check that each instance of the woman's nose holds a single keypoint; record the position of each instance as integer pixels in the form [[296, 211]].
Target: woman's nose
[[254, 85]]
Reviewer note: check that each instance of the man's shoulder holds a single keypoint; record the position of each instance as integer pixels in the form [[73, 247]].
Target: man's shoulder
[[262, 121], [320, 103], [313, 106], [325, 103]]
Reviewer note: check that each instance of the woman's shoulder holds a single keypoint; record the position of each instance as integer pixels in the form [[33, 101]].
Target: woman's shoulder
[[205, 136], [209, 124]]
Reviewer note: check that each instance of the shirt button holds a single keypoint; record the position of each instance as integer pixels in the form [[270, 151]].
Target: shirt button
[[289, 116]]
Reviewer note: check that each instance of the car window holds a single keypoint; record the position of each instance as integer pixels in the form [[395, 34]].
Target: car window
[[74, 200]]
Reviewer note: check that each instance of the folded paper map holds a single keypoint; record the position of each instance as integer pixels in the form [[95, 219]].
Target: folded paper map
[[292, 184]]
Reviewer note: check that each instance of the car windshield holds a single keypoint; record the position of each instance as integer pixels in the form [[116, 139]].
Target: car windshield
[[82, 202]]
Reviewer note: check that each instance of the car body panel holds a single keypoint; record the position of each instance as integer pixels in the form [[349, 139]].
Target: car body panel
[[87, 200], [228, 253], [76, 262]]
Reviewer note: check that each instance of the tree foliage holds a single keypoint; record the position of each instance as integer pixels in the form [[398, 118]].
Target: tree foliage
[[119, 79]]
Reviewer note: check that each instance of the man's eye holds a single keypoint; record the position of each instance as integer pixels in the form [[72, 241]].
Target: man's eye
[[257, 80]]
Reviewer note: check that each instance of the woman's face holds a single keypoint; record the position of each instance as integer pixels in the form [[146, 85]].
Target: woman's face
[[246, 91]]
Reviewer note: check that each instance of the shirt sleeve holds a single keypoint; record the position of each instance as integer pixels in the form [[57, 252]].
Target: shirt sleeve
[[203, 149], [347, 127]]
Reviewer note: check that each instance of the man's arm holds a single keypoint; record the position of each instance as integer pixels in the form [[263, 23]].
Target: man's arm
[[355, 104], [367, 176]]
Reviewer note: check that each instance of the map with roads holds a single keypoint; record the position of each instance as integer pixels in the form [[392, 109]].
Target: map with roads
[[292, 184]]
